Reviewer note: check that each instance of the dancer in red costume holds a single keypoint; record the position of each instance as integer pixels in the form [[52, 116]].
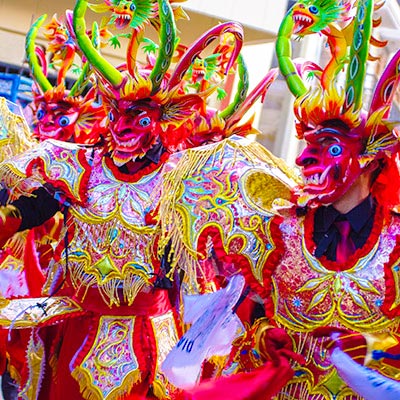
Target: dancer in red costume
[[107, 321], [323, 292], [61, 114]]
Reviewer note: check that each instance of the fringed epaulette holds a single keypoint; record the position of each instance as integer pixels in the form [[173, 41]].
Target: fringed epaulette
[[15, 136], [224, 193], [65, 166]]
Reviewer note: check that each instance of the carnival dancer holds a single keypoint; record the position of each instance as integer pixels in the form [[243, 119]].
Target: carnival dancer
[[108, 322], [62, 114], [325, 268]]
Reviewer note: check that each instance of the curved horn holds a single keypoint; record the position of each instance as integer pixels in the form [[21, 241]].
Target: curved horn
[[283, 49], [41, 55], [386, 87], [241, 91], [82, 80], [356, 69], [167, 36], [197, 47], [107, 70], [33, 61], [259, 91]]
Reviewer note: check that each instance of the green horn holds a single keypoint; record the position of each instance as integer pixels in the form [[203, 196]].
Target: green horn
[[107, 70], [33, 62], [356, 69], [167, 36]]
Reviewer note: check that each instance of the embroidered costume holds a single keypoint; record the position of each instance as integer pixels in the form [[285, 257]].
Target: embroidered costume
[[325, 294], [107, 318]]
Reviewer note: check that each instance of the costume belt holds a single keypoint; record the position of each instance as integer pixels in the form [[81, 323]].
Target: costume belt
[[152, 303]]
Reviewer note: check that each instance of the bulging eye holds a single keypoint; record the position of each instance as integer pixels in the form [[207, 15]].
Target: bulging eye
[[132, 7], [145, 121], [335, 150], [40, 114], [313, 10], [64, 121]]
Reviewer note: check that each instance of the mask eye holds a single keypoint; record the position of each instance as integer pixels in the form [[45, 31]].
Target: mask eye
[[40, 114], [144, 121], [63, 121], [313, 10], [132, 7], [335, 150], [111, 116]]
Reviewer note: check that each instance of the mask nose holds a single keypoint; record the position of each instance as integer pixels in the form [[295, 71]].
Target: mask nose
[[307, 157]]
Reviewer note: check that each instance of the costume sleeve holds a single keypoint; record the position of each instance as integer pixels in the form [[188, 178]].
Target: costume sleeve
[[36, 209], [366, 382]]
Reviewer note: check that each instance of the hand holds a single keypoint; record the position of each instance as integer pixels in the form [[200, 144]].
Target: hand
[[352, 343], [10, 221], [271, 343]]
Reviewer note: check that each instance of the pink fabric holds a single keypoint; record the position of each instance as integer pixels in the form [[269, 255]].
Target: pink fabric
[[345, 247]]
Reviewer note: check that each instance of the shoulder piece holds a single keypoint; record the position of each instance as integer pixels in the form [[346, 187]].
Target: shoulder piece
[[65, 166], [39, 311], [14, 131], [219, 198]]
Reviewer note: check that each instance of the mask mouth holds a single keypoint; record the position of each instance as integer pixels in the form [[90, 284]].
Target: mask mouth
[[125, 141], [122, 20], [49, 132], [302, 22], [316, 180]]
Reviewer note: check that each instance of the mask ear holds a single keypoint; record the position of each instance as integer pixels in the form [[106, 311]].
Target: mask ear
[[179, 108], [365, 159]]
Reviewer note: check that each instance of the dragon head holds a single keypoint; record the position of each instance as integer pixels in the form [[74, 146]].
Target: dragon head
[[311, 16]]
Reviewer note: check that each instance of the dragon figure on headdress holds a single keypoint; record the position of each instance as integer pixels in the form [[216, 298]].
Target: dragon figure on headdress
[[330, 18]]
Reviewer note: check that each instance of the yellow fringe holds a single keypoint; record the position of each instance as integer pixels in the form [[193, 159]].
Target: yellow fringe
[[14, 374], [174, 227], [219, 363], [90, 392], [18, 137], [35, 356], [159, 390]]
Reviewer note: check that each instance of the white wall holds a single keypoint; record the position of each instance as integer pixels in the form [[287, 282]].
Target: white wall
[[264, 15]]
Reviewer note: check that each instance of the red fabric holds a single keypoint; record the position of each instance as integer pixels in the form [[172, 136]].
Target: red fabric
[[8, 227], [34, 276], [68, 343], [3, 354], [149, 304], [262, 383], [352, 343], [16, 351], [390, 307], [275, 343]]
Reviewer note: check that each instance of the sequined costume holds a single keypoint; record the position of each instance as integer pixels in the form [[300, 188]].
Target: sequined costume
[[105, 321], [315, 306]]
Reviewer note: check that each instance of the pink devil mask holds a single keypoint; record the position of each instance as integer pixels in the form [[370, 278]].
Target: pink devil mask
[[56, 120], [330, 161], [134, 129]]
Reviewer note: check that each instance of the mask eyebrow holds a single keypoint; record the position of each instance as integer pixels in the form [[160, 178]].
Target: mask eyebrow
[[330, 131]]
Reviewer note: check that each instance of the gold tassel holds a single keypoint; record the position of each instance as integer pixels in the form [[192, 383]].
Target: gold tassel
[[90, 392]]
